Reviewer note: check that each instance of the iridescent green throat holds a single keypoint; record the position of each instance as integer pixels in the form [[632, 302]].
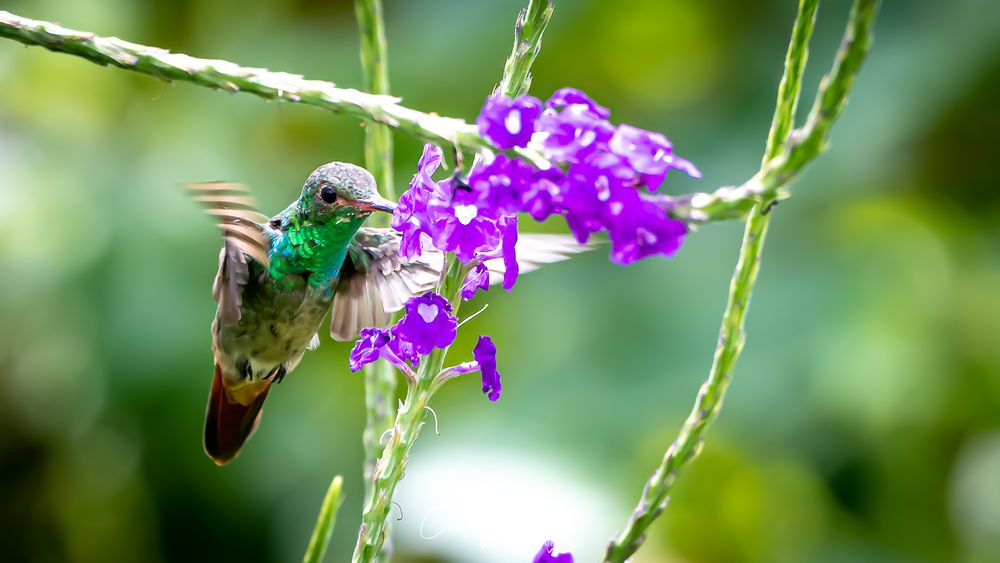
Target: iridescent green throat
[[313, 245]]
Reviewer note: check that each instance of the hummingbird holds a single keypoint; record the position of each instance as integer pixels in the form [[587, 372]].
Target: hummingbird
[[279, 277]]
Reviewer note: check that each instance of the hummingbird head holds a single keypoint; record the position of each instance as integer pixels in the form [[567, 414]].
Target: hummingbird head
[[338, 190]]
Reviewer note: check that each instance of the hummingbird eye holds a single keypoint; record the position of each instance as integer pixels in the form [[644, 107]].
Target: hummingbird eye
[[328, 194]]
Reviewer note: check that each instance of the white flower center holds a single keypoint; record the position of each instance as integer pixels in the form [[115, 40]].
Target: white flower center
[[646, 236], [603, 188], [466, 213], [427, 312], [616, 207], [513, 122]]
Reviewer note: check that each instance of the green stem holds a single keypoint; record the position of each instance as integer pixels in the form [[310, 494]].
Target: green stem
[[782, 161], [390, 466], [228, 76], [375, 64], [528, 29], [801, 146], [791, 80], [327, 518], [832, 95], [409, 420], [380, 377], [380, 394]]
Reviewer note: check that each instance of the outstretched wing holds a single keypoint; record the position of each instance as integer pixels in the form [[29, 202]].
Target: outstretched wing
[[376, 281], [535, 250], [243, 234]]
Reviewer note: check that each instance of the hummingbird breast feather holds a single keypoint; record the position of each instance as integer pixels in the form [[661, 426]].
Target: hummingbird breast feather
[[277, 324]]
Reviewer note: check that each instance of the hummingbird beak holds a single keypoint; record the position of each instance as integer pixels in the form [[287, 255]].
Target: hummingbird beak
[[377, 203]]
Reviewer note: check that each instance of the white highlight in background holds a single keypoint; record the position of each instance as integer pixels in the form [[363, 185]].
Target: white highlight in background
[[467, 502]]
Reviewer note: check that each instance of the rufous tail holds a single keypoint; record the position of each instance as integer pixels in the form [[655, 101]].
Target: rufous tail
[[229, 424]]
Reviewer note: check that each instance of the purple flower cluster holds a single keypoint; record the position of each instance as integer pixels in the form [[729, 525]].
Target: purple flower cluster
[[595, 183], [449, 216], [427, 323], [545, 555]]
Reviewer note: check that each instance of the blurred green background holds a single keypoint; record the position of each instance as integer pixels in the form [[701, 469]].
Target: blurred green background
[[863, 423]]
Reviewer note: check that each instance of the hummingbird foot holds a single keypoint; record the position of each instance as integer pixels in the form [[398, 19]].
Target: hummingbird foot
[[277, 375]]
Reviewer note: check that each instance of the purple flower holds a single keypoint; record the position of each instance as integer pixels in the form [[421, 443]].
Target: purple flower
[[478, 278], [584, 200], [485, 354], [460, 217], [400, 351], [411, 224], [639, 228], [508, 228], [650, 154], [545, 555], [430, 160], [509, 123], [368, 347], [582, 208], [410, 217], [538, 199], [571, 96], [497, 186], [427, 324], [573, 133], [465, 232]]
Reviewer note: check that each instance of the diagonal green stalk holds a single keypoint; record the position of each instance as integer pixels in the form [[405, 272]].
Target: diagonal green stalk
[[409, 419], [225, 75], [725, 203], [327, 518], [790, 86], [800, 146], [380, 377], [786, 152]]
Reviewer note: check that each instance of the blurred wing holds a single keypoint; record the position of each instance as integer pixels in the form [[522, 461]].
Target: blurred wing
[[534, 250], [376, 282], [243, 233]]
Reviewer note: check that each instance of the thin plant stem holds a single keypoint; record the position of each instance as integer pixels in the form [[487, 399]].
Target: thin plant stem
[[380, 377], [528, 29], [375, 65], [325, 522], [790, 87], [409, 420], [801, 146], [787, 151]]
